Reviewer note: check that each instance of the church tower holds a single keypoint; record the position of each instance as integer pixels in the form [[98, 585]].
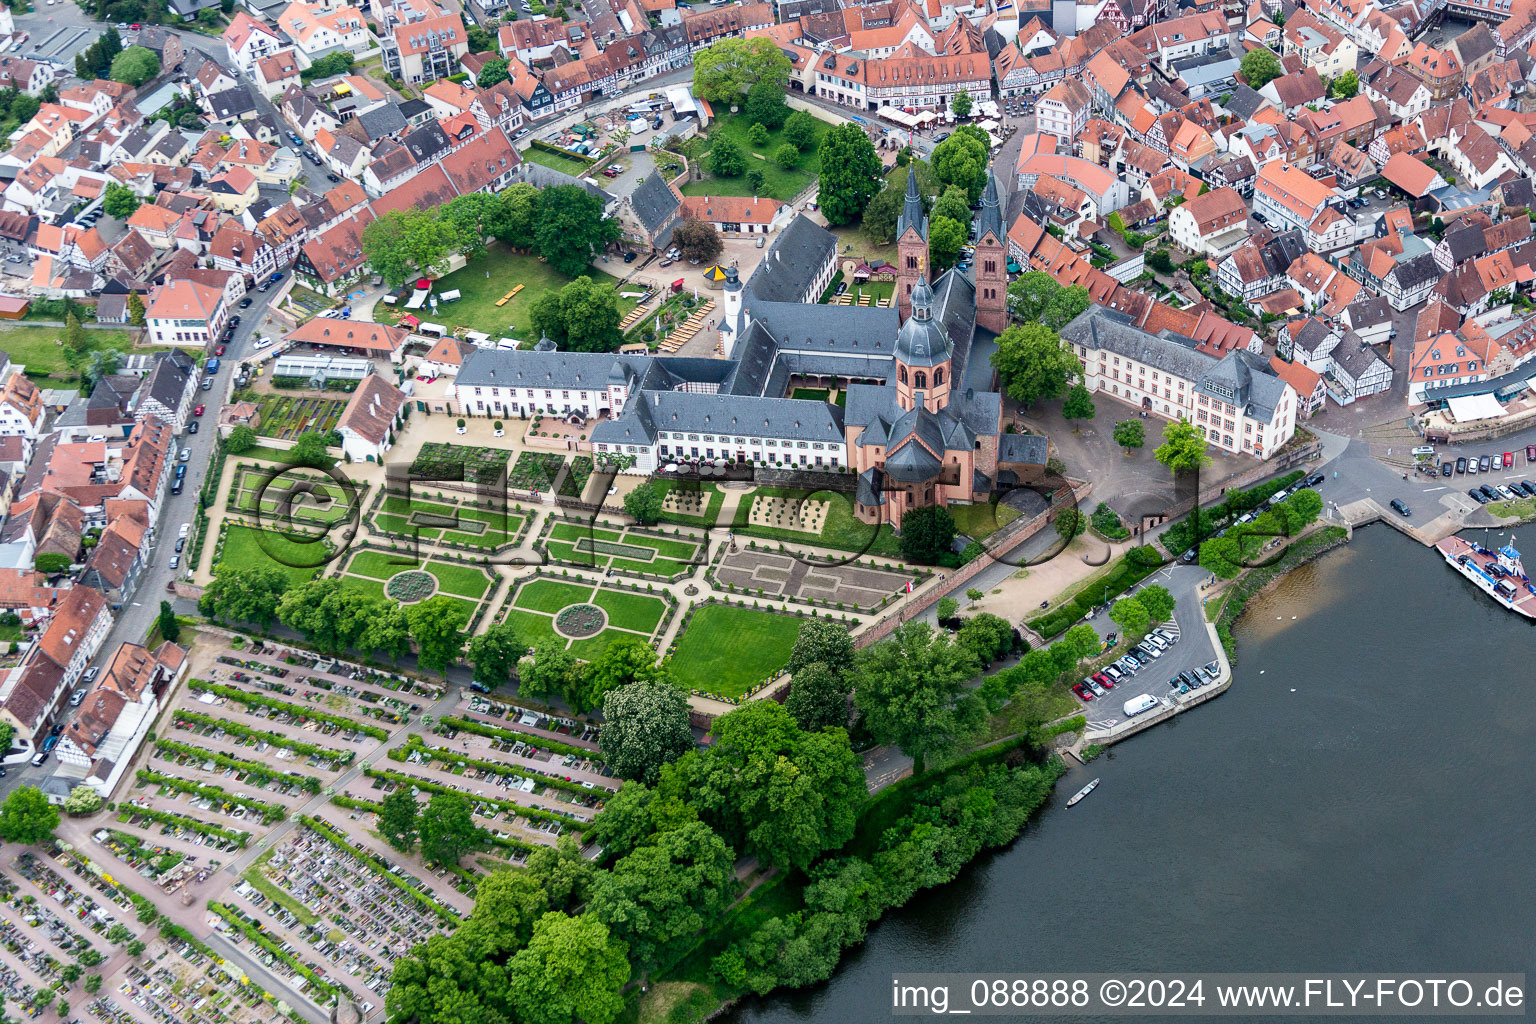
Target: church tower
[[923, 355], [991, 261], [911, 246]]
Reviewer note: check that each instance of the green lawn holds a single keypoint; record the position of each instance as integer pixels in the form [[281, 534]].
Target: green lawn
[[460, 580], [711, 509], [728, 650], [810, 394], [982, 519], [248, 548], [380, 565], [550, 595], [568, 542], [501, 524], [777, 182], [843, 529], [477, 307], [638, 612], [569, 164], [534, 629], [41, 350]]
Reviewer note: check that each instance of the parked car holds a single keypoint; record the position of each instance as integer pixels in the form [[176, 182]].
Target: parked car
[[1461, 464], [197, 410], [1506, 493], [262, 343], [1484, 464], [1476, 495], [175, 562], [1509, 459], [1530, 453], [1446, 468], [629, 257], [1098, 691], [176, 487], [1472, 464], [1528, 487], [1400, 508], [1077, 688], [181, 544], [1313, 480], [186, 453], [192, 427], [1489, 492], [245, 303], [1102, 678]]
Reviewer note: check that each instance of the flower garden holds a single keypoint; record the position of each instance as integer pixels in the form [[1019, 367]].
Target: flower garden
[[439, 460]]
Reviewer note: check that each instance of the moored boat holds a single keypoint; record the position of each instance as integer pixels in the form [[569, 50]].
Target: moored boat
[[1499, 574], [1083, 792]]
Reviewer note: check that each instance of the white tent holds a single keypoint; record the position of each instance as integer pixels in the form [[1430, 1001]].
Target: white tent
[[988, 108], [1475, 407], [897, 116], [927, 117], [987, 125]]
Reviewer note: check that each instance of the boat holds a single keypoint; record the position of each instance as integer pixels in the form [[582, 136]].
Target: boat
[[1083, 792], [1499, 574]]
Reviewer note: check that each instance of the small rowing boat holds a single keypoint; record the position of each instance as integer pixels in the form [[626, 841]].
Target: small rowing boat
[[1083, 792]]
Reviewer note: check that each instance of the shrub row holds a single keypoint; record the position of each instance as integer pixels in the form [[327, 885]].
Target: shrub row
[[252, 769], [298, 711], [343, 757], [270, 813]]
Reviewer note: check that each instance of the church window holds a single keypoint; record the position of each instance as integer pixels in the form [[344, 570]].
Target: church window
[[902, 372], [991, 267], [938, 376], [922, 379]]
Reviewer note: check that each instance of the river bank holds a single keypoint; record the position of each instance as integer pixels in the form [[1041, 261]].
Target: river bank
[[1322, 812]]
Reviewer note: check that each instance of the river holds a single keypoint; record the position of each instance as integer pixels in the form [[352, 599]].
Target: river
[[1359, 800]]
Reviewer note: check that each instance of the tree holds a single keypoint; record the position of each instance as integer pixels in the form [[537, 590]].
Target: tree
[[447, 828], [1157, 600], [800, 130], [698, 240], [945, 237], [399, 821], [645, 727], [726, 159], [437, 626], [119, 201], [1131, 616], [137, 318], [310, 449], [492, 72], [170, 629], [76, 344], [661, 895], [71, 973], [1070, 522], [583, 315], [1129, 434], [818, 698], [135, 66], [134, 948], [471, 215], [443, 981], [244, 595], [572, 969], [927, 534], [758, 134], [987, 637], [973, 595], [387, 631], [569, 226], [1259, 67], [962, 160], [786, 156], [726, 70], [824, 642], [1160, 260], [644, 502], [952, 204], [552, 671], [512, 220], [1183, 447], [403, 244], [92, 984], [1035, 363], [850, 173], [947, 608], [911, 689], [1304, 506], [495, 654], [329, 615], [1082, 640], [7, 734], [1036, 297], [102, 362], [1079, 404], [82, 800], [1345, 86], [960, 104], [625, 821], [756, 179], [241, 439], [766, 106], [50, 563], [27, 817]]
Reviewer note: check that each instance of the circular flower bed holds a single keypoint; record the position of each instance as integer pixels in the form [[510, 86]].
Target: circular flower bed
[[581, 620], [411, 586]]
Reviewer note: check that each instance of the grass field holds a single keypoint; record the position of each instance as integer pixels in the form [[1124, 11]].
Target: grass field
[[777, 182], [319, 502], [569, 164], [728, 650], [982, 519], [40, 350], [248, 548], [376, 567], [810, 394], [592, 548], [460, 580], [477, 308], [843, 530], [711, 509], [538, 601], [500, 526]]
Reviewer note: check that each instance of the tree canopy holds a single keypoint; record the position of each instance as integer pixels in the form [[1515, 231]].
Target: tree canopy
[[402, 244], [1130, 434], [726, 159], [645, 726], [726, 70], [698, 240], [120, 201], [492, 72], [1035, 363], [962, 159], [1259, 67], [27, 817], [447, 828], [437, 626], [244, 594], [926, 534], [1036, 297], [912, 690], [583, 316], [569, 227], [495, 654], [1183, 447], [766, 106], [850, 173], [135, 66]]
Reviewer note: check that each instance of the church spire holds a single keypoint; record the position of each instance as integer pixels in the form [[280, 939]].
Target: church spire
[[991, 218], [912, 215]]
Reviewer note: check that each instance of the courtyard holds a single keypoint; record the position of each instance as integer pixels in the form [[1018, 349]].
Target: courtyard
[[406, 579], [778, 183]]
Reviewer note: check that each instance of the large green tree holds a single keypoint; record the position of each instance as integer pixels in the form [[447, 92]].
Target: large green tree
[[1078, 405], [822, 641], [644, 502], [244, 595], [583, 316], [698, 240], [516, 209], [495, 654], [569, 226], [170, 629], [1035, 363], [1130, 434], [552, 671], [927, 532], [912, 690], [1036, 297], [1259, 67], [962, 160], [724, 72], [661, 895], [726, 159], [399, 819], [818, 698], [444, 981], [27, 817], [1183, 447], [447, 828], [492, 72], [135, 66], [945, 237], [571, 972], [645, 725], [953, 204], [471, 216], [437, 626], [800, 130], [388, 631], [328, 614], [766, 106], [403, 244], [119, 201], [850, 173]]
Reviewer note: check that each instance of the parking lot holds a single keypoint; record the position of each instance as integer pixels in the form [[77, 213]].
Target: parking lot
[[1191, 650]]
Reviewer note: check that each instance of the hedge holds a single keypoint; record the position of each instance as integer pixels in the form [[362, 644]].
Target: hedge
[[1180, 535], [236, 836], [251, 768], [494, 732], [257, 934], [1128, 571], [270, 813], [521, 810], [494, 767], [298, 711], [276, 739]]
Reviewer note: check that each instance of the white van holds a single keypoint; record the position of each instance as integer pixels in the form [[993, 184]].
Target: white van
[[1137, 705], [1157, 641], [1424, 449]]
